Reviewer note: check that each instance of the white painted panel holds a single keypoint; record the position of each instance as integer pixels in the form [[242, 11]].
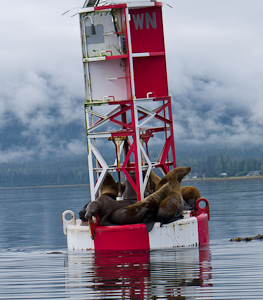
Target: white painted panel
[[101, 73], [183, 232], [78, 238], [99, 31], [180, 233]]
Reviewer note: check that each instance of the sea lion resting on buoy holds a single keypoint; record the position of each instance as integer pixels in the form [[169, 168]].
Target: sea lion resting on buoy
[[171, 208], [143, 211], [129, 192], [109, 186], [103, 206], [112, 212], [152, 182], [190, 195]]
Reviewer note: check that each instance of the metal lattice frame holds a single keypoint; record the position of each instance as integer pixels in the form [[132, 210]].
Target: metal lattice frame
[[133, 130]]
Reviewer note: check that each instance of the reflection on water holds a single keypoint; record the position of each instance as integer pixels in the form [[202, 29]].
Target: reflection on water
[[234, 272], [174, 274], [168, 274], [31, 227]]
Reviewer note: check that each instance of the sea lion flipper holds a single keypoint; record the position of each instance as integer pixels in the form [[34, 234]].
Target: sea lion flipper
[[187, 206], [149, 225], [175, 219], [159, 195]]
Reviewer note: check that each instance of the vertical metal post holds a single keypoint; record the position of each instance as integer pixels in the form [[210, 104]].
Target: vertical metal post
[[130, 51], [137, 154], [90, 162]]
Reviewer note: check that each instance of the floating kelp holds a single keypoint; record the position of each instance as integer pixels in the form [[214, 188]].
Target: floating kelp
[[248, 239]]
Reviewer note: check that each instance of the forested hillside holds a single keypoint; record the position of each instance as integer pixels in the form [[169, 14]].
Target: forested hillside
[[69, 171], [75, 170], [214, 165]]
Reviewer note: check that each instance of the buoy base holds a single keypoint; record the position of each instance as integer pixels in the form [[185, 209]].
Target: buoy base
[[189, 231]]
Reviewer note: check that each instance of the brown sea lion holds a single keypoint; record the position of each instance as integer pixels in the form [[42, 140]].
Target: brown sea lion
[[109, 186], [129, 192], [190, 195], [152, 181], [143, 211], [103, 206], [172, 206]]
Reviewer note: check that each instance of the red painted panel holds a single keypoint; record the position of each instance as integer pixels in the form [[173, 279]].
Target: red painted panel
[[114, 6], [147, 36], [202, 209], [146, 26], [131, 268], [203, 230], [122, 238], [150, 76]]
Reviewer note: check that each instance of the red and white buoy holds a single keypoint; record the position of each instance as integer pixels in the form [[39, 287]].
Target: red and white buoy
[[128, 110]]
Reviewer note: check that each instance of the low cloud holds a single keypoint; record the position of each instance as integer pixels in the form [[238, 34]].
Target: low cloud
[[41, 80], [214, 52]]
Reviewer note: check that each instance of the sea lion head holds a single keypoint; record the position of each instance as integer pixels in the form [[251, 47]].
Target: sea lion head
[[82, 214], [175, 176], [88, 211], [109, 186], [103, 206], [92, 208]]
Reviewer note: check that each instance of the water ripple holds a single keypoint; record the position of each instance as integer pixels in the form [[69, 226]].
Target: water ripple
[[34, 263]]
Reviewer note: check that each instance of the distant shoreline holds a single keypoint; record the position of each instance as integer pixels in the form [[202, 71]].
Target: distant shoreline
[[225, 178], [86, 184], [42, 186]]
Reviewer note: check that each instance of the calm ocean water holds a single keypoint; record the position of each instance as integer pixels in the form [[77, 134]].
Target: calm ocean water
[[35, 264]]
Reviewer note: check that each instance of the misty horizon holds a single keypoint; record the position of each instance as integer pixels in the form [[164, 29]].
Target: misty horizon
[[213, 54]]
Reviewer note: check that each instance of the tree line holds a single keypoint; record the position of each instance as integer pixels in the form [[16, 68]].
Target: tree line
[[67, 172], [215, 165], [75, 171]]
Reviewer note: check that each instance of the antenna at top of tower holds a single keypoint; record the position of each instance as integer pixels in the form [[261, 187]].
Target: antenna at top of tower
[[89, 3]]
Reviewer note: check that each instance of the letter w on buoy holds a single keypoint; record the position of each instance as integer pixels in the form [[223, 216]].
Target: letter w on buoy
[[138, 20]]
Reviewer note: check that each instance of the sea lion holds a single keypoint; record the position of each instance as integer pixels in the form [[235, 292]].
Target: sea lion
[[190, 195], [109, 186], [143, 211], [129, 192], [103, 206], [171, 208], [152, 182]]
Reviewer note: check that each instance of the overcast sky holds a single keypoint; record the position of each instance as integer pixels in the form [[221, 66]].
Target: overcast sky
[[214, 58]]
